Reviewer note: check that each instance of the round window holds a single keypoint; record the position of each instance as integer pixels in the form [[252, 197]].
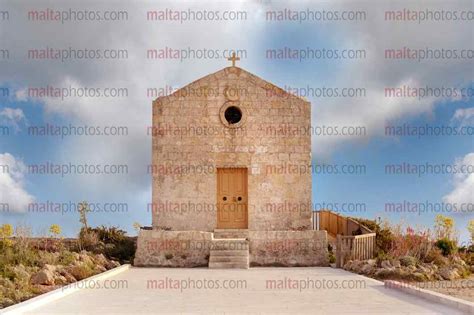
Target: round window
[[233, 115]]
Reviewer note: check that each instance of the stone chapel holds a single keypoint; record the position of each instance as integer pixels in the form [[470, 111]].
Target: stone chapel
[[231, 177]]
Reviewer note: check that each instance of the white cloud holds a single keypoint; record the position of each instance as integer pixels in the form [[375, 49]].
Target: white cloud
[[465, 116], [12, 117], [463, 192], [137, 73], [12, 190]]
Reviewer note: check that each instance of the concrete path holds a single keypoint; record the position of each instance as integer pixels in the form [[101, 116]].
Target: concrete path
[[256, 290]]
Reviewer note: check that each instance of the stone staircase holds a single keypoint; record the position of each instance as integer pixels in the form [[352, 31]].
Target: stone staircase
[[230, 249]]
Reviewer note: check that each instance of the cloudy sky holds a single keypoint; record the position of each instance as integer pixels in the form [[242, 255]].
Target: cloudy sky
[[443, 70]]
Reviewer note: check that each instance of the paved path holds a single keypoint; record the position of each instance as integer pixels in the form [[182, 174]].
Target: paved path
[[143, 295]]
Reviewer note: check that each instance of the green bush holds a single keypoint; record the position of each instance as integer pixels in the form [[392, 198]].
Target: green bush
[[408, 261], [384, 238], [332, 258], [447, 246], [112, 242]]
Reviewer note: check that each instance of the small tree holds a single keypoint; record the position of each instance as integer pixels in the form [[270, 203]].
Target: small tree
[[83, 208], [55, 230], [470, 227], [6, 231], [444, 227], [137, 227]]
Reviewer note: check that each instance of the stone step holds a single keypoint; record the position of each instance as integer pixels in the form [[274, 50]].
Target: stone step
[[230, 233], [230, 244], [228, 265], [224, 252], [233, 259]]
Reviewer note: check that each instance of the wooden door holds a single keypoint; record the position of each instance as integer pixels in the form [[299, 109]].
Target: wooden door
[[232, 201]]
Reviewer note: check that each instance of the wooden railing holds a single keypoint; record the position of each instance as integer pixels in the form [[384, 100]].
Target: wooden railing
[[336, 224], [357, 247], [354, 241]]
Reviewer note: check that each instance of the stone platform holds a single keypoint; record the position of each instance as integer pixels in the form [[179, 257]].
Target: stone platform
[[160, 248]]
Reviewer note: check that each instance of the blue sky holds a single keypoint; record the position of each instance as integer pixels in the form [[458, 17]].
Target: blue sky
[[374, 150]]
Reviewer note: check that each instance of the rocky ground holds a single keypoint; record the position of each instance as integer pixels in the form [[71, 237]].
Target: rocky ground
[[408, 268], [21, 282], [451, 277]]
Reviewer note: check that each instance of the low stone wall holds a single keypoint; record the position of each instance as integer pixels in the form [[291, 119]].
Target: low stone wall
[[288, 248], [158, 248]]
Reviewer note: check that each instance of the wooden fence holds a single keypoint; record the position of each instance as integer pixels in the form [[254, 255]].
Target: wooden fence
[[354, 241], [357, 247], [336, 224]]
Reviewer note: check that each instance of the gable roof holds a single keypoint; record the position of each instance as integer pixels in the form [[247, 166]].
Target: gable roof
[[242, 75]]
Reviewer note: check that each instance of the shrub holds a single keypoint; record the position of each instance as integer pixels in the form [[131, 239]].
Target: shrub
[[88, 239], [447, 246], [408, 261], [81, 272], [436, 257], [384, 238], [332, 258], [113, 242], [411, 243]]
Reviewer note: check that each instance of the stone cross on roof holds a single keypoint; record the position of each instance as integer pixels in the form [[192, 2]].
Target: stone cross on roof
[[233, 59]]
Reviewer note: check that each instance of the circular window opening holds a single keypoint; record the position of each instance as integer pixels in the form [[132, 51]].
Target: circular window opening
[[233, 115]]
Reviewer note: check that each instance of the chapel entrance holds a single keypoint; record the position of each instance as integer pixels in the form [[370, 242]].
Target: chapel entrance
[[232, 201]]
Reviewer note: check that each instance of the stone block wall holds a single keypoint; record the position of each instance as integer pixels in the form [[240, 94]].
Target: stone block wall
[[190, 141], [288, 248]]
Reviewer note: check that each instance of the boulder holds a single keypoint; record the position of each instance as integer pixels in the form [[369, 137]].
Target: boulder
[[386, 264], [367, 269], [44, 276], [58, 279], [50, 268], [448, 273], [100, 260], [348, 265], [112, 264], [395, 263]]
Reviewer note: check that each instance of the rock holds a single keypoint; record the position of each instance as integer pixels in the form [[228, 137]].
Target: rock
[[86, 259], [448, 273], [69, 278], [60, 280], [50, 268], [112, 264], [386, 264], [395, 263], [348, 265], [458, 260], [79, 272], [101, 268], [372, 262], [100, 260], [367, 269], [44, 276]]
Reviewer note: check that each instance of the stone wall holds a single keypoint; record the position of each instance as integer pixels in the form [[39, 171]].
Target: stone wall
[[288, 248], [190, 140], [173, 248], [159, 248]]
